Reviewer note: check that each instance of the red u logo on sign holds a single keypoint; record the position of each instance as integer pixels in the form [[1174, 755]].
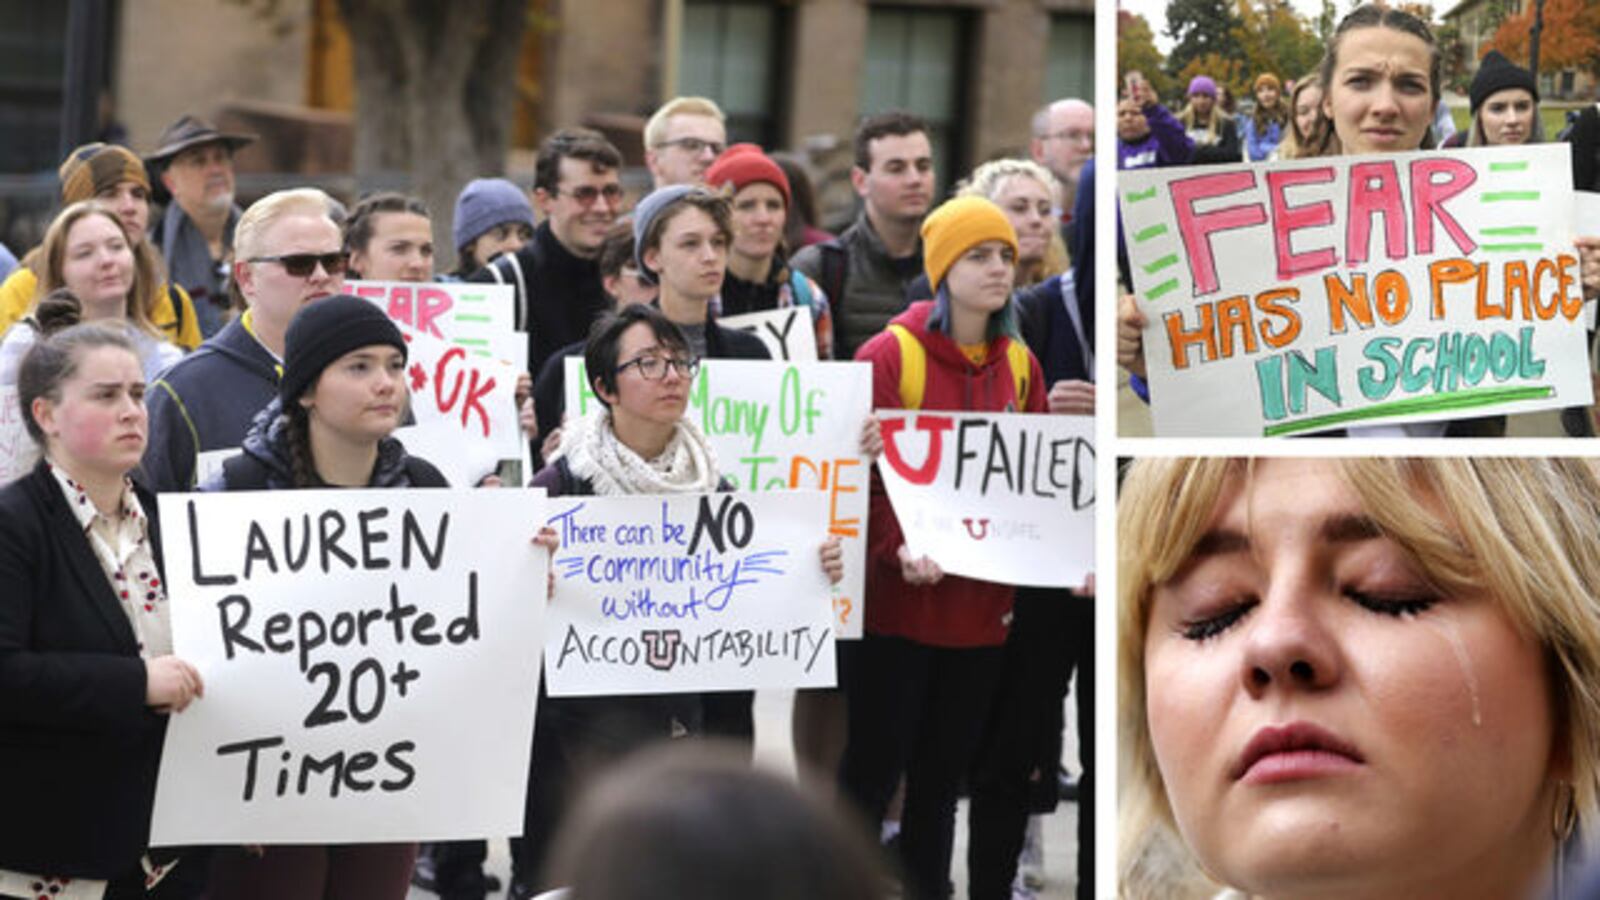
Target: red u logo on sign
[[935, 426]]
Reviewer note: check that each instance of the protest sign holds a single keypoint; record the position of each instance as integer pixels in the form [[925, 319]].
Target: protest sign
[[476, 317], [695, 592], [775, 427], [18, 451], [1004, 497], [370, 662], [787, 332], [1299, 296], [469, 401]]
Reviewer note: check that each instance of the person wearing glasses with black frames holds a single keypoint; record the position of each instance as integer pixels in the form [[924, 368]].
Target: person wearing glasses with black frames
[[556, 276], [287, 252], [682, 139]]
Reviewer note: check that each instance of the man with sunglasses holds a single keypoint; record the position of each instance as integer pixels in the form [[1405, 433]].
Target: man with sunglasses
[[288, 252], [556, 277], [682, 139]]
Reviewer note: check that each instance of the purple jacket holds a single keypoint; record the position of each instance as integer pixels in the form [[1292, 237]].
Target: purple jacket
[[1165, 145]]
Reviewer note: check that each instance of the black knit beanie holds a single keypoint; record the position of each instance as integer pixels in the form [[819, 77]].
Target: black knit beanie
[[327, 329], [1495, 74]]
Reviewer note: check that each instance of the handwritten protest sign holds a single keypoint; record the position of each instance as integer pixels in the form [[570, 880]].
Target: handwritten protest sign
[[787, 332], [18, 450], [369, 661], [1312, 294], [665, 594], [776, 427], [476, 317], [1003, 497], [463, 401]]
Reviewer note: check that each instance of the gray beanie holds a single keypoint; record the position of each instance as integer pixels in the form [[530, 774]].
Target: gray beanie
[[485, 203], [645, 213]]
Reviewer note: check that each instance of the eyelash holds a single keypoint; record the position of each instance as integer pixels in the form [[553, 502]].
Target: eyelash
[[1399, 607]]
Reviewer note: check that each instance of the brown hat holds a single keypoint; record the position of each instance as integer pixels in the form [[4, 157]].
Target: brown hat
[[93, 168], [192, 131]]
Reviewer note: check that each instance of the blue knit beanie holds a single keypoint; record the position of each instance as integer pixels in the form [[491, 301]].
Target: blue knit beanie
[[646, 212], [485, 203]]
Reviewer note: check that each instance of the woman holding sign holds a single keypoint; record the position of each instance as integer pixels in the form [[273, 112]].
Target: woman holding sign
[[87, 675], [1357, 677], [641, 368], [931, 655], [342, 396]]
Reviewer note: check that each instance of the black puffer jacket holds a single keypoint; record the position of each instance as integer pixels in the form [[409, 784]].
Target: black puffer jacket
[[264, 463]]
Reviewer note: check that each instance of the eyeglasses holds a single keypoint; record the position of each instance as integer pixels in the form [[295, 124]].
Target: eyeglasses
[[301, 265], [695, 146], [588, 194], [1077, 136], [654, 368]]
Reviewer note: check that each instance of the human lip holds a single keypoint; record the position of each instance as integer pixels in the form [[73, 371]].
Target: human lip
[[1294, 752]]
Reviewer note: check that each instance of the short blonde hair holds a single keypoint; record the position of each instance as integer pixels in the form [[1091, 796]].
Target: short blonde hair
[[1523, 529], [655, 129], [985, 182], [147, 274], [262, 214]]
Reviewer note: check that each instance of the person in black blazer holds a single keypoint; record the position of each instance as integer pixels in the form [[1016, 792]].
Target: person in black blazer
[[86, 672]]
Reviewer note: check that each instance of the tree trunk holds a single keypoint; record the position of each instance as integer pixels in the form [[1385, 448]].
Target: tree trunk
[[434, 89]]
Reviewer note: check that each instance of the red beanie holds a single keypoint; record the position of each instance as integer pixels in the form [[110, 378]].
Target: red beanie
[[744, 164]]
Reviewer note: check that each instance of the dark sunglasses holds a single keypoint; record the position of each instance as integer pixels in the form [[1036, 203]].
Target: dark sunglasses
[[588, 194], [301, 265]]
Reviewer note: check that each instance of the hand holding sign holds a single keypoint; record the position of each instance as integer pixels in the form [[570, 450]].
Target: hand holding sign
[[171, 683]]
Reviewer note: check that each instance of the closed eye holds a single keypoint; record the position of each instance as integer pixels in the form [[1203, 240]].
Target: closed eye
[[1206, 627], [1397, 605]]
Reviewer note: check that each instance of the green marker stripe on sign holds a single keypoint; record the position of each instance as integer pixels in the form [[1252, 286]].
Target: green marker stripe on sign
[[472, 298], [1165, 261], [1510, 230], [472, 342], [473, 317], [1510, 248], [1149, 194], [1518, 166], [1146, 234], [1451, 402], [1500, 196], [1165, 287]]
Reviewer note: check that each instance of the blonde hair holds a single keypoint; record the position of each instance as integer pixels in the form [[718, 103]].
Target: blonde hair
[[263, 213], [1524, 530], [985, 182], [655, 129], [144, 293]]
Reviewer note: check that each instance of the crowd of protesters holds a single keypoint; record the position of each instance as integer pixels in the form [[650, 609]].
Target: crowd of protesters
[[138, 341]]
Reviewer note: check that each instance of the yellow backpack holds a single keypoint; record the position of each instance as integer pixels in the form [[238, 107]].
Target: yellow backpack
[[914, 368]]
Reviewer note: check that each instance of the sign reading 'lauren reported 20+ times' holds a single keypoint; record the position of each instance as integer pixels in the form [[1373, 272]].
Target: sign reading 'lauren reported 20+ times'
[[370, 661], [1299, 296]]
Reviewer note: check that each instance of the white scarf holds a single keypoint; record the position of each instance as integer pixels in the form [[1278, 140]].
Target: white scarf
[[688, 465]]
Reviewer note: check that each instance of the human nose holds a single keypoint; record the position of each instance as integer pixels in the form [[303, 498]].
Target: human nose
[[1383, 100], [1287, 644]]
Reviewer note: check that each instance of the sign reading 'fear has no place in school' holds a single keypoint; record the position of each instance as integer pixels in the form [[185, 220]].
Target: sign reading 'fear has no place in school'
[[1299, 296]]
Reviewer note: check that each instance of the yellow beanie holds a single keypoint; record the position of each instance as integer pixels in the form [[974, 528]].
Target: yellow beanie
[[958, 226], [93, 168]]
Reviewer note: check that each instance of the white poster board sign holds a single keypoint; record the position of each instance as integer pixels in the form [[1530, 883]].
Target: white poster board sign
[[788, 332], [1293, 297], [776, 427], [476, 317], [369, 664], [18, 450], [1004, 497], [464, 401], [695, 592]]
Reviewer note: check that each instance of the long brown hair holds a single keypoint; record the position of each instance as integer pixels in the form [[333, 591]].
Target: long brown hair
[[146, 274]]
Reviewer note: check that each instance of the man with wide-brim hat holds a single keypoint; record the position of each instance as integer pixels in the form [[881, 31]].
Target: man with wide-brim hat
[[194, 163]]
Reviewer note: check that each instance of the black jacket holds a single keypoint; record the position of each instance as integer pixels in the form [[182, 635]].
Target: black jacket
[[79, 749], [264, 461], [557, 295]]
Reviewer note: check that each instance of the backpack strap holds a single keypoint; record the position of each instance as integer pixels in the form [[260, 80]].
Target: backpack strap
[[913, 366], [1021, 368], [800, 286], [835, 268], [177, 310]]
